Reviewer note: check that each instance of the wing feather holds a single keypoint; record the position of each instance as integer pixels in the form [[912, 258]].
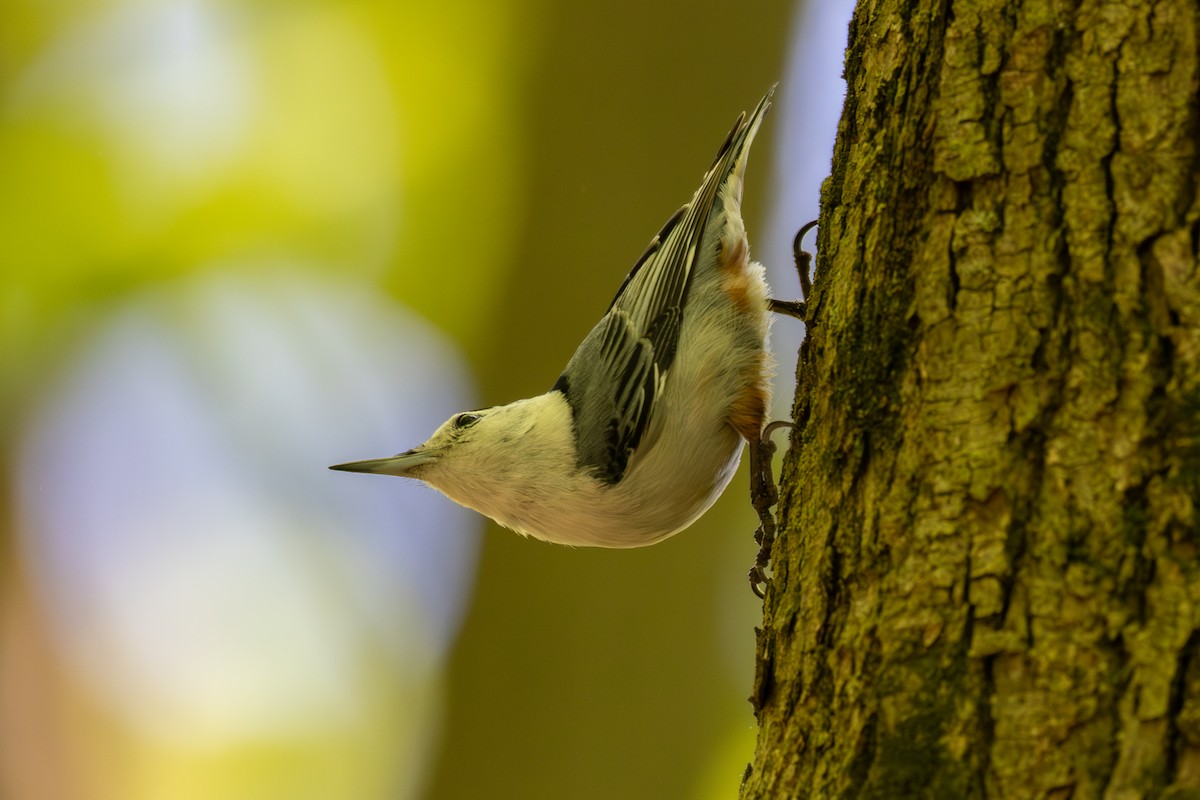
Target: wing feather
[[615, 378]]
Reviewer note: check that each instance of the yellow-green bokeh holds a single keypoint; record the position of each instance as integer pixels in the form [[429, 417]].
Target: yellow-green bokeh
[[493, 166]]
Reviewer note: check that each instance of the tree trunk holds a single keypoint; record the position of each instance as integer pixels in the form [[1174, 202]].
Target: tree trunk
[[988, 582]]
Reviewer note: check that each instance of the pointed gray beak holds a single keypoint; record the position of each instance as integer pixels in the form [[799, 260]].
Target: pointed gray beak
[[399, 465]]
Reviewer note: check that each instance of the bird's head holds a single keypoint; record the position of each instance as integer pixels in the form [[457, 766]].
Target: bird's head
[[491, 451], [453, 441]]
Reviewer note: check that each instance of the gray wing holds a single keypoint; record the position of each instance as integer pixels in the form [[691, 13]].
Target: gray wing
[[616, 376]]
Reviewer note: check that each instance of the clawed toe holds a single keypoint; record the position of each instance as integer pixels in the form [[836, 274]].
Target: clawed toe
[[803, 258], [798, 308], [792, 308]]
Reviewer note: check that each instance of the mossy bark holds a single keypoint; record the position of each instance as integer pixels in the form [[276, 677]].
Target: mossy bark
[[988, 578]]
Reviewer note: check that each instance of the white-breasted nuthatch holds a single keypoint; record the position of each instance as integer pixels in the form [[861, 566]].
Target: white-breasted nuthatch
[[645, 427]]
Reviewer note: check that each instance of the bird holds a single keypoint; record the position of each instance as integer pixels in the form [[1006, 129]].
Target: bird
[[645, 427]]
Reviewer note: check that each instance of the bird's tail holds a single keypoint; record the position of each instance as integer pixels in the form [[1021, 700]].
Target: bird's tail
[[730, 163]]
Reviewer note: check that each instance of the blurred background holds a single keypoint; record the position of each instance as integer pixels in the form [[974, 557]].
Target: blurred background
[[241, 241]]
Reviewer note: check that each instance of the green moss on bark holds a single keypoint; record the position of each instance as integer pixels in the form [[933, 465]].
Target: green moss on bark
[[988, 583]]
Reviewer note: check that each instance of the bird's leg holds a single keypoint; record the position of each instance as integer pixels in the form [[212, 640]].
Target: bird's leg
[[763, 492], [798, 308], [763, 495]]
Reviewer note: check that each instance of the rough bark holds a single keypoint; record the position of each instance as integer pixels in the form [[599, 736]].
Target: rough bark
[[988, 578]]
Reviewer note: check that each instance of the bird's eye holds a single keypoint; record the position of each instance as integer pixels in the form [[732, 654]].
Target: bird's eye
[[465, 421]]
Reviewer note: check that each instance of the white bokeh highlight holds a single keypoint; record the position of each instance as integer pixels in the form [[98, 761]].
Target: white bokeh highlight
[[203, 571]]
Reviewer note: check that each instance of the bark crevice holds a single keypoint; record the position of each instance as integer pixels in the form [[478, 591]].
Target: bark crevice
[[988, 581]]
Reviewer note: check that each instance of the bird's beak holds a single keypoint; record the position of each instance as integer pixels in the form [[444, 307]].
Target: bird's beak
[[400, 465]]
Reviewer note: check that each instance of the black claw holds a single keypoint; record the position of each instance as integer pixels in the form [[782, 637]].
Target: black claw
[[776, 425], [798, 242], [757, 579]]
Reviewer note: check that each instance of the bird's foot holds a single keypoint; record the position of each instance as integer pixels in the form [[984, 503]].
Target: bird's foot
[[798, 308], [763, 495]]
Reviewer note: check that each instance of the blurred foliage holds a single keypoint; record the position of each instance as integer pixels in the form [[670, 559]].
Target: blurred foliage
[[494, 166], [140, 141]]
